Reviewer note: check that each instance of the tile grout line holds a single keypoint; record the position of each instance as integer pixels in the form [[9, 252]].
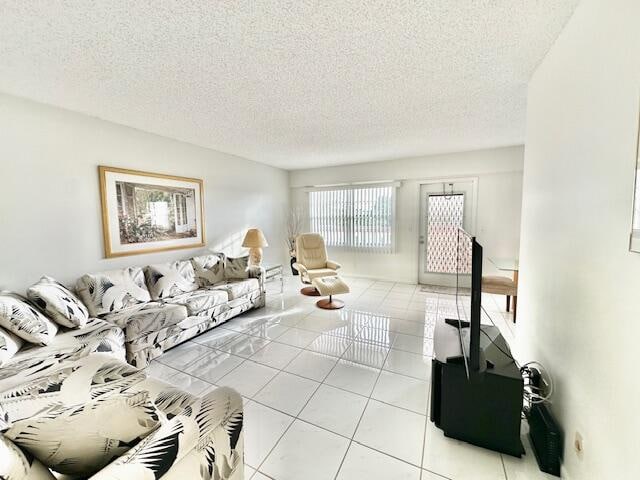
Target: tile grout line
[[301, 410], [245, 359], [361, 416], [219, 350], [350, 342], [504, 467], [424, 434], [328, 385]]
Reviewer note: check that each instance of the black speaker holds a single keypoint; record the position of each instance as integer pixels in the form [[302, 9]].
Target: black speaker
[[546, 439]]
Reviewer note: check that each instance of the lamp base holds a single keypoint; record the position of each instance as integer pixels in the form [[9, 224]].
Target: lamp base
[[255, 256]]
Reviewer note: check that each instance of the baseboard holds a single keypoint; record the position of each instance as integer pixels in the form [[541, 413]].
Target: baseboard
[[386, 279]]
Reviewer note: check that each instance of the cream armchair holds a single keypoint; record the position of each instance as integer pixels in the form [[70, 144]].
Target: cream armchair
[[311, 255]]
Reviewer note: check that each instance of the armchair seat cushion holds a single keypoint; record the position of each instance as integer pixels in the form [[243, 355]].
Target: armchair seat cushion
[[142, 319], [321, 272], [237, 288], [200, 300]]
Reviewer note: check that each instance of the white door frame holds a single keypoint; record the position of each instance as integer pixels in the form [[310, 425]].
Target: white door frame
[[474, 180]]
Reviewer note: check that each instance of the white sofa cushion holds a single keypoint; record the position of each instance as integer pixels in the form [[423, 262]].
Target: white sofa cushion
[[21, 318], [81, 439], [209, 269], [140, 320], [167, 280], [56, 301], [238, 288], [200, 300], [113, 290]]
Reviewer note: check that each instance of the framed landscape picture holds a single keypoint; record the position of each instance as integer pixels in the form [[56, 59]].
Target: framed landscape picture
[[146, 212]]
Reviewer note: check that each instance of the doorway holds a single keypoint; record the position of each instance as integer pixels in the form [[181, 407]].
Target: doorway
[[445, 206]]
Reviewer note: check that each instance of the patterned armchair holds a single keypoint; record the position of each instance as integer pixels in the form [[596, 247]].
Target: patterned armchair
[[191, 437]]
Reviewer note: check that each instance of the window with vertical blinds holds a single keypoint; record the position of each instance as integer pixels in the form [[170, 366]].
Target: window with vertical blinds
[[360, 218]]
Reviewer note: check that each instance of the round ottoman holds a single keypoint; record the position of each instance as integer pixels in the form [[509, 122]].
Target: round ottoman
[[330, 286]]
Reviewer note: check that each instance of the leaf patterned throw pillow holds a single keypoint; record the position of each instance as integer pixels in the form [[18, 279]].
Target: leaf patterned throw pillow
[[82, 439], [62, 306], [114, 290], [209, 269], [170, 279], [9, 346], [19, 317], [236, 268]]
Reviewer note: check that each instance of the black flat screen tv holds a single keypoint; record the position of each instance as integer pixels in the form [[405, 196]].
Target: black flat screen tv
[[468, 303]]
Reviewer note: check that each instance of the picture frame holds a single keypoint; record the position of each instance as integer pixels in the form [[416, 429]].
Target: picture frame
[[145, 212]]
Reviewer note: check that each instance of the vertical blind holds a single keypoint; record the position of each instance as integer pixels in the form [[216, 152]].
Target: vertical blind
[[361, 218]]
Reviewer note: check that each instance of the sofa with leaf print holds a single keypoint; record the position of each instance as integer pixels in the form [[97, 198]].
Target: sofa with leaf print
[[160, 306], [98, 417], [71, 404], [134, 312]]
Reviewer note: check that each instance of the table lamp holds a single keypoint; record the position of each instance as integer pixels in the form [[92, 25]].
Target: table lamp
[[254, 240]]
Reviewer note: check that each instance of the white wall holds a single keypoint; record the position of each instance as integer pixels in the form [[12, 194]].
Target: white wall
[[499, 173], [579, 298], [50, 201]]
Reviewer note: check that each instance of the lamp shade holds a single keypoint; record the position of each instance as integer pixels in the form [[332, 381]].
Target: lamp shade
[[254, 239]]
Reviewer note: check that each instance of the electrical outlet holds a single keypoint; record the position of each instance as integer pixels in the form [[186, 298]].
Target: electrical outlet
[[578, 445]]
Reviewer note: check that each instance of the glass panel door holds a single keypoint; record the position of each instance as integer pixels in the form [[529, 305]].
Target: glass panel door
[[444, 207], [445, 214]]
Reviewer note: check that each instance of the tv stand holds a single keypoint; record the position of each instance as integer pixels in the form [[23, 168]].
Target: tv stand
[[485, 407], [454, 322]]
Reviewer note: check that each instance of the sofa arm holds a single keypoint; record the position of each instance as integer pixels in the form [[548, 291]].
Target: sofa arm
[[333, 265], [257, 272], [206, 436]]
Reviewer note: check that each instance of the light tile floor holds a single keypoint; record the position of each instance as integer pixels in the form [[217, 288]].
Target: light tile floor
[[340, 395]]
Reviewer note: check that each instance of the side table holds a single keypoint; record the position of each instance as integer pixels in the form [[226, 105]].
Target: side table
[[273, 272]]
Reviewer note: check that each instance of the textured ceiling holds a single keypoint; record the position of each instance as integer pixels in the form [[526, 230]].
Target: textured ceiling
[[294, 84]]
